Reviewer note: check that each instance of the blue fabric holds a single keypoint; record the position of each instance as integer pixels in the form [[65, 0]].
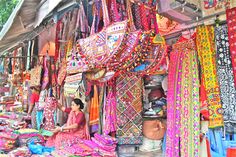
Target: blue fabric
[[39, 149], [39, 118]]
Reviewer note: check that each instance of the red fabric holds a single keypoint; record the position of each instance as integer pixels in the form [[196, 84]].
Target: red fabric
[[34, 98], [231, 22], [208, 148], [80, 118]]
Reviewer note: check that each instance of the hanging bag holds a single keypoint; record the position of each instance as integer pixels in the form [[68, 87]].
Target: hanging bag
[[99, 48], [74, 86], [35, 76]]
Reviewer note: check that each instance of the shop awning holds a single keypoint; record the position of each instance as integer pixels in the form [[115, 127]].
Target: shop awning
[[19, 24]]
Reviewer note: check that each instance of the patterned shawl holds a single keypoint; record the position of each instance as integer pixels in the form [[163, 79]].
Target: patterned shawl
[[226, 78], [206, 53]]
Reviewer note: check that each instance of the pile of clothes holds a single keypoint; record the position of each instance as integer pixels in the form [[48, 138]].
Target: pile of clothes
[[98, 146]]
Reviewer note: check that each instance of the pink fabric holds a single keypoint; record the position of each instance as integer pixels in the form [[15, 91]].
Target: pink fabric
[[110, 113], [173, 107], [48, 114], [69, 137]]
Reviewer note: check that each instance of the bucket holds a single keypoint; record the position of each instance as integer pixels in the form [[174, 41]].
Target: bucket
[[231, 152]]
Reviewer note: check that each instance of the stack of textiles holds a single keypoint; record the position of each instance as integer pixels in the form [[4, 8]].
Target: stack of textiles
[[29, 135], [98, 146], [7, 141], [21, 151]]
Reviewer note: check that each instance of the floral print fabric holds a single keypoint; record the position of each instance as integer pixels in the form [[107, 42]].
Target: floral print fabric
[[226, 79]]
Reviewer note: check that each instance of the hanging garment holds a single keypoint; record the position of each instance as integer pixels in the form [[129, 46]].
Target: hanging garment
[[231, 22], [48, 114], [129, 108], [45, 80], [206, 53], [226, 79], [110, 119], [94, 110], [183, 101]]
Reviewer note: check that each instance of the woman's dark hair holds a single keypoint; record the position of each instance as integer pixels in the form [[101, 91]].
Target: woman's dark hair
[[79, 102]]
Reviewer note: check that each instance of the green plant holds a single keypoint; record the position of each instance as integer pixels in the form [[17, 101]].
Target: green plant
[[6, 8]]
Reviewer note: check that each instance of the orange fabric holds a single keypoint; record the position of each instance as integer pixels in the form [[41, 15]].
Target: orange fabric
[[231, 152], [94, 108]]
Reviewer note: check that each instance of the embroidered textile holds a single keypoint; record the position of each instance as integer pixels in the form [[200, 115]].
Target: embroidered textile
[[48, 114], [129, 108], [183, 101], [99, 48], [226, 79], [231, 22], [110, 119], [206, 53]]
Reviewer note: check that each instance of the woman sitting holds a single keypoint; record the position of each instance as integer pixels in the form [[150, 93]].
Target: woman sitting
[[75, 128]]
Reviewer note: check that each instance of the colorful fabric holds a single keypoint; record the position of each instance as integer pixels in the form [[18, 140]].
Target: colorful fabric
[[173, 107], [129, 108], [101, 47], [231, 22], [26, 138], [94, 110], [226, 79], [183, 101], [109, 111], [48, 113], [206, 53]]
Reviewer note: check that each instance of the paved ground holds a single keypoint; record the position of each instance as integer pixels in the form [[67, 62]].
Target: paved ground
[[143, 154]]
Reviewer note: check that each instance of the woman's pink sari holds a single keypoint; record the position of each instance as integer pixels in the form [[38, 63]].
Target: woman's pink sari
[[70, 137]]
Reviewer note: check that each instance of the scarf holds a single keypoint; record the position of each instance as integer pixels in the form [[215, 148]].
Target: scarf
[[206, 53], [231, 22], [226, 79]]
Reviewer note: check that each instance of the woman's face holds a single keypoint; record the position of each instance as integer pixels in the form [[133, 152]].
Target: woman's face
[[74, 107]]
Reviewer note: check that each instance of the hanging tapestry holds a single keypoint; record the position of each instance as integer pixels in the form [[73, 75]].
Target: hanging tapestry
[[226, 79], [183, 101], [206, 53], [129, 108], [109, 110], [231, 22]]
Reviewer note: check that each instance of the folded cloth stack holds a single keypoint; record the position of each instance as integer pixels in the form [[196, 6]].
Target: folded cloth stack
[[21, 151], [7, 141], [100, 145], [29, 135]]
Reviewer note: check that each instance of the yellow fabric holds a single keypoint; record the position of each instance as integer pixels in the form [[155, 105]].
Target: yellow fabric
[[206, 53]]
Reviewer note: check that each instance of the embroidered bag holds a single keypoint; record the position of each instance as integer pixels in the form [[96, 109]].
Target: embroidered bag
[[35, 76], [74, 86], [99, 48], [76, 64]]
